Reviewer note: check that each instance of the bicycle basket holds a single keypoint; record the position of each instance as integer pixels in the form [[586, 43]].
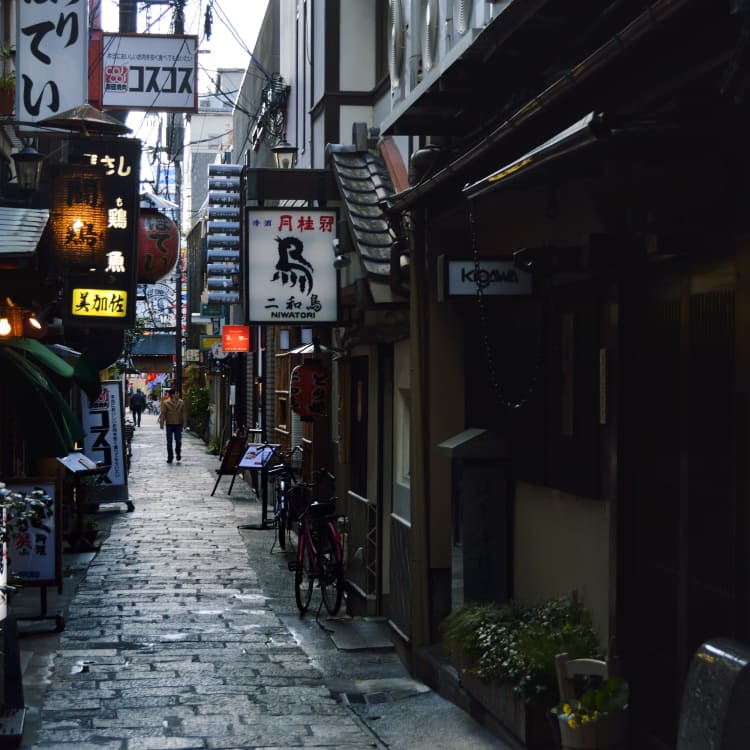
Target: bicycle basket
[[296, 499]]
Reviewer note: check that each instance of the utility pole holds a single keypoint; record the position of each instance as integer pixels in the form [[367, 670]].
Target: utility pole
[[175, 140]]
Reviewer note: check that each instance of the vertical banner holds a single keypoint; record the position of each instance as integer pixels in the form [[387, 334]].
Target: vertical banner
[[51, 57], [104, 422], [291, 278], [105, 297]]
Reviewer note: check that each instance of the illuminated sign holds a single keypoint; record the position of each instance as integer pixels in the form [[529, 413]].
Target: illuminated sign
[[235, 338], [291, 277], [99, 303]]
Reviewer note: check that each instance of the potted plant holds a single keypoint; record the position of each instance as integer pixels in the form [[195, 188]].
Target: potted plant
[[596, 720], [7, 81], [506, 653]]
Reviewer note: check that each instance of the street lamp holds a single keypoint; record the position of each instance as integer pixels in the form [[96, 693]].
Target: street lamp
[[284, 154], [28, 163]]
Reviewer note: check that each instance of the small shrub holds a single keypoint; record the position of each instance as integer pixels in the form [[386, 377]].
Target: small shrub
[[214, 446], [517, 645]]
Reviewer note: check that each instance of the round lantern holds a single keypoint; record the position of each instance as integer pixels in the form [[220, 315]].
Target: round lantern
[[79, 217], [158, 244], [308, 389]]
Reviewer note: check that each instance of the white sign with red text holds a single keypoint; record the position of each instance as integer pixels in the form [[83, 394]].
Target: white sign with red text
[[291, 277]]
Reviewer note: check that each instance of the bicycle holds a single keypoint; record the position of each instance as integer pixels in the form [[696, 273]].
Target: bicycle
[[319, 554], [283, 477]]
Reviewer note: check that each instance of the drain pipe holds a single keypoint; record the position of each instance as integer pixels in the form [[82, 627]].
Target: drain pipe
[[638, 29]]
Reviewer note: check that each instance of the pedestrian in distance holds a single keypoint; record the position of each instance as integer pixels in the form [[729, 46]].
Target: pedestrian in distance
[[173, 414], [137, 405]]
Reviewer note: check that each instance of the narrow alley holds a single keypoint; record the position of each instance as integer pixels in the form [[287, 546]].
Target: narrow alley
[[183, 633]]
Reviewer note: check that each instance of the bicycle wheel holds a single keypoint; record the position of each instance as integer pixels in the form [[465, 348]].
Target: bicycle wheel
[[331, 568], [304, 575], [281, 513]]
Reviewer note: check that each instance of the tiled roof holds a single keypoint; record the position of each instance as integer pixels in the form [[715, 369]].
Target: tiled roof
[[363, 181]]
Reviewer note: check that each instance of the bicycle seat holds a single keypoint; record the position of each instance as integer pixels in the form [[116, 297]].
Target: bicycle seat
[[279, 469], [322, 508]]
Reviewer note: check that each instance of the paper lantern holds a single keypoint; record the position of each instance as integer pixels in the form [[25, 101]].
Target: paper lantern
[[79, 217], [158, 245], [308, 390]]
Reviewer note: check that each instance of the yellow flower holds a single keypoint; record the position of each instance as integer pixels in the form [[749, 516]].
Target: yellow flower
[[572, 723], [566, 709], [584, 719]]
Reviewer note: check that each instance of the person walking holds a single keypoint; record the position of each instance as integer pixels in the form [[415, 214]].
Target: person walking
[[137, 405], [173, 414]]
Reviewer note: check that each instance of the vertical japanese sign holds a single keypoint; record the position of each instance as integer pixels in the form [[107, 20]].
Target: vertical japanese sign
[[291, 278], [103, 423], [51, 57], [35, 554], [106, 296]]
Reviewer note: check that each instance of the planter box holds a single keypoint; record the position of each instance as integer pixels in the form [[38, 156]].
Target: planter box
[[530, 724], [608, 733]]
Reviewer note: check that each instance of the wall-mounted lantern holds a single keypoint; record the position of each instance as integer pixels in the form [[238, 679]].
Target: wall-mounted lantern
[[284, 154], [79, 217], [28, 163]]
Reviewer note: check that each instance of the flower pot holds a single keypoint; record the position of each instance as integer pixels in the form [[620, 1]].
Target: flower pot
[[526, 722], [608, 731]]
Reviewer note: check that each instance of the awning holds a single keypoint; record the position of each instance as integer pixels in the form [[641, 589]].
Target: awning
[[581, 149], [34, 407], [81, 372], [21, 229]]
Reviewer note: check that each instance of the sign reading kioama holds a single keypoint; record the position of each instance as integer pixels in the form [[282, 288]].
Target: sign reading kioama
[[291, 278], [150, 72]]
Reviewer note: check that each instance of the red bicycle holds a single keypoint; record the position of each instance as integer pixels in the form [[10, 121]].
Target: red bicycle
[[319, 556]]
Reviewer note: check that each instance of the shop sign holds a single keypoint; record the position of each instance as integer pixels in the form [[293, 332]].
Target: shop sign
[[103, 422], [51, 58], [462, 278], [291, 278], [150, 72], [235, 338], [105, 294], [98, 303]]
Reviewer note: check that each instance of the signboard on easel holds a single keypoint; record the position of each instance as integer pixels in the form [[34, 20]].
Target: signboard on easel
[[256, 456], [104, 425]]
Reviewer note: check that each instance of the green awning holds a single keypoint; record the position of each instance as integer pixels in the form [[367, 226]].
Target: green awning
[[33, 408], [81, 373]]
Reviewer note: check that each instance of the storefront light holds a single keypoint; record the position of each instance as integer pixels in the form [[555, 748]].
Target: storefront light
[[284, 154]]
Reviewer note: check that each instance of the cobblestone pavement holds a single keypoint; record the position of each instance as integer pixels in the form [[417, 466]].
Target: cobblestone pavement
[[182, 633]]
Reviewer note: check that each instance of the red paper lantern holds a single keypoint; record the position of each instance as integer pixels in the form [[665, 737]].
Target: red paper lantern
[[308, 390], [158, 245]]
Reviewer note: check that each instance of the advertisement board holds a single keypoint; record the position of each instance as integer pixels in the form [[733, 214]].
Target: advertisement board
[[150, 72], [104, 422]]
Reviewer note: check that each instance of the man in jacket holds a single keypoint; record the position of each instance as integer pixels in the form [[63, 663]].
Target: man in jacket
[[173, 414]]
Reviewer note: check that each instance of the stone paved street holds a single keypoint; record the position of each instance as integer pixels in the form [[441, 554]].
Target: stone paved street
[[183, 634]]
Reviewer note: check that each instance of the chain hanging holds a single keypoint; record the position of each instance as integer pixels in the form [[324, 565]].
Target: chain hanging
[[497, 389]]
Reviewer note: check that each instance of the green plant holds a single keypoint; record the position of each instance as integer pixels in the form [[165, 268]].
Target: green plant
[[594, 703], [197, 400], [7, 72], [517, 645], [214, 446]]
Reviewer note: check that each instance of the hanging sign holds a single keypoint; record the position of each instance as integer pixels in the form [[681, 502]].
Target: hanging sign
[[462, 278], [291, 278], [51, 58], [150, 72], [235, 338]]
